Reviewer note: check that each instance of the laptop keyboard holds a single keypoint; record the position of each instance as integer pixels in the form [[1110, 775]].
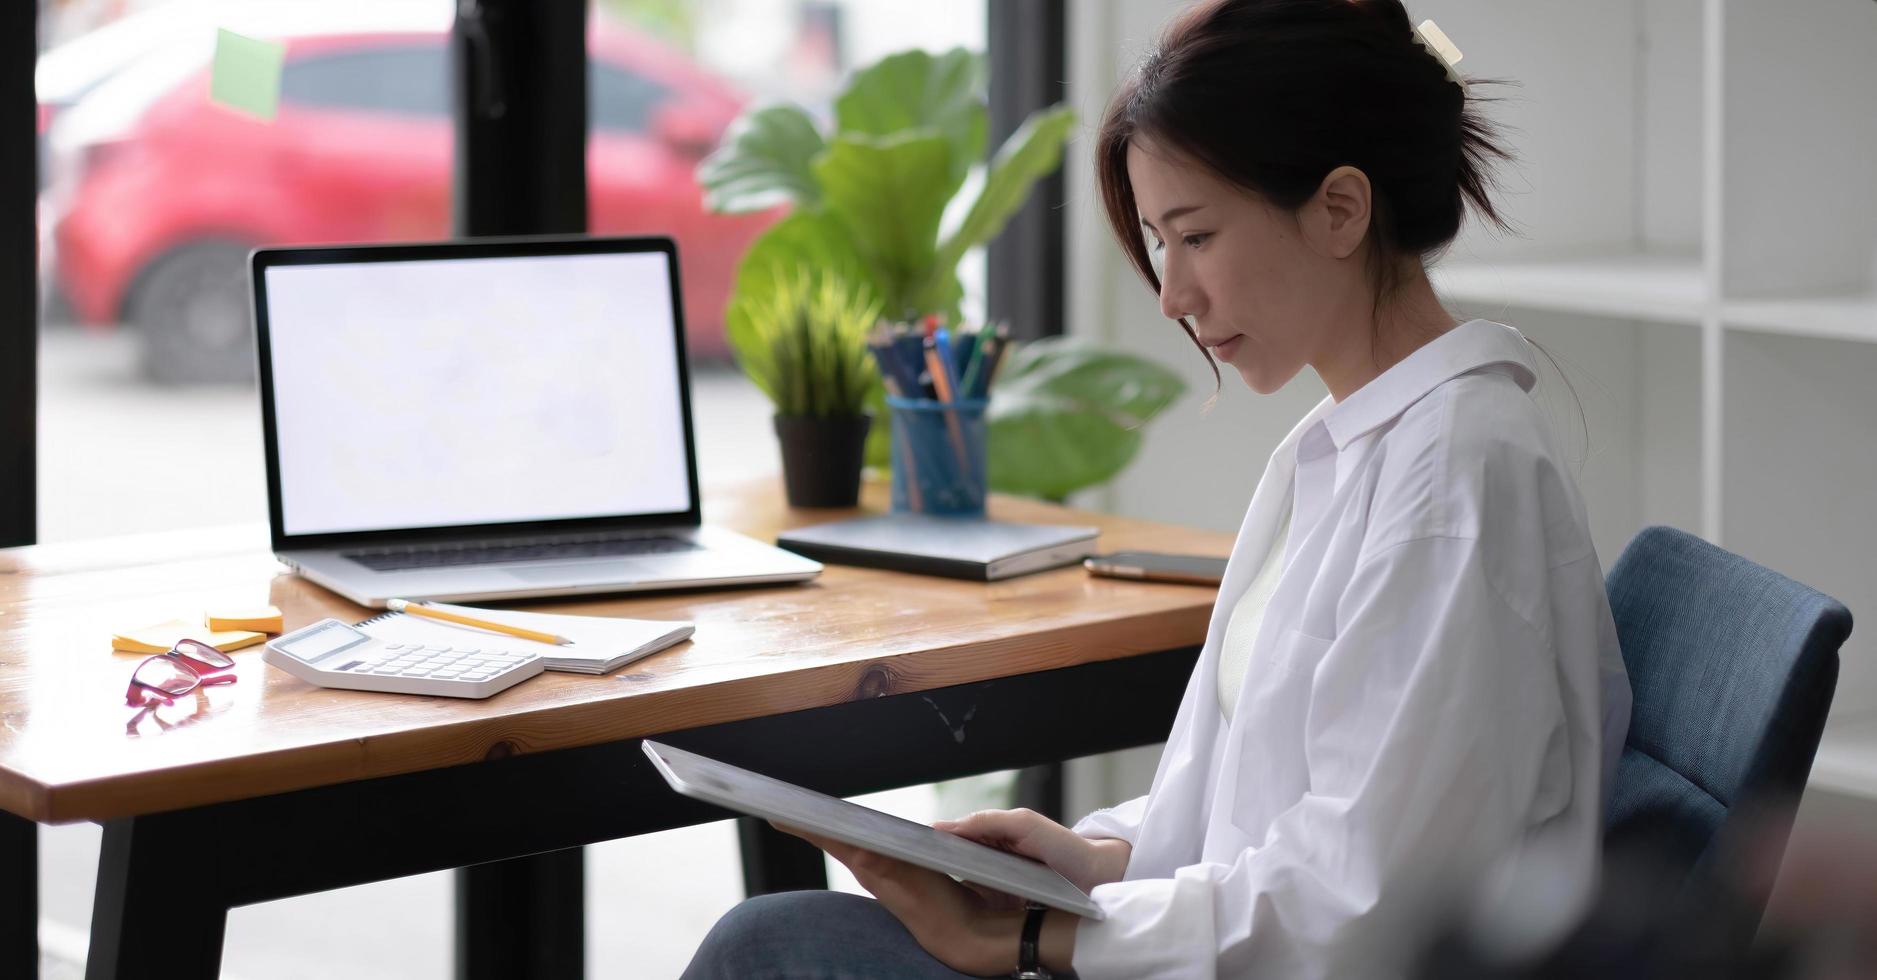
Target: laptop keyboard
[[497, 553]]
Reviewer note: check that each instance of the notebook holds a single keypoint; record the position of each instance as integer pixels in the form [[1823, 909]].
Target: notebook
[[958, 547], [600, 644]]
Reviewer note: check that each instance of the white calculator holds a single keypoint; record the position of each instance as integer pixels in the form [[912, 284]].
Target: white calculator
[[333, 654]]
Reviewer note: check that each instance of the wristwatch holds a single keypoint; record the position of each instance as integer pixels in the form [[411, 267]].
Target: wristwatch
[[1029, 966]]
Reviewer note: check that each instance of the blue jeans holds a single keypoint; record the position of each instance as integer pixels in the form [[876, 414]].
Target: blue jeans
[[814, 934]]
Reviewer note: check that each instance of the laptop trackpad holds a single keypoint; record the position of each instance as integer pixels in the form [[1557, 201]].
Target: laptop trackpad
[[614, 570]]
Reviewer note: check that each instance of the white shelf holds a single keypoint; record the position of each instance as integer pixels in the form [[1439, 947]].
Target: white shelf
[[1847, 757], [1844, 317], [1666, 288]]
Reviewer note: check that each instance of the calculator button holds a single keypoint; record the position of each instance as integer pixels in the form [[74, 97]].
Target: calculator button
[[387, 669], [467, 650], [394, 646], [416, 672]]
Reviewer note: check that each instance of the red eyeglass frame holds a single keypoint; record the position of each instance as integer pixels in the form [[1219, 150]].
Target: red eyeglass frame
[[200, 663]]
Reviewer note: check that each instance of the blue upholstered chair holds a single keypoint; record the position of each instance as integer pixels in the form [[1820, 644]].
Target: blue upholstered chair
[[1732, 667]]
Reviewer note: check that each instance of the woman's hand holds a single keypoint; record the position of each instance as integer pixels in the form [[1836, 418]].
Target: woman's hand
[[953, 923], [1086, 863]]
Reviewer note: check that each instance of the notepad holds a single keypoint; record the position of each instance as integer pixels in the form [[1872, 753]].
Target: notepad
[[601, 644], [160, 637], [265, 619]]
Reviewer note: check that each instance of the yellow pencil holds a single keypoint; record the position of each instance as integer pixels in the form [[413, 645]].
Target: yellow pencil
[[416, 609]]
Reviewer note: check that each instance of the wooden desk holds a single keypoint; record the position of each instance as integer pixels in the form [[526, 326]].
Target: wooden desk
[[281, 788]]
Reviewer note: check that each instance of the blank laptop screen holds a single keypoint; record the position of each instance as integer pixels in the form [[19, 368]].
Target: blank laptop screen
[[412, 394]]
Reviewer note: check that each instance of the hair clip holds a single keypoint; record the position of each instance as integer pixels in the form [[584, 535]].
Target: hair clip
[[1429, 35]]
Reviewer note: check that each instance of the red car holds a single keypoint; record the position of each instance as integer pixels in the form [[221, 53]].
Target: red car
[[162, 192]]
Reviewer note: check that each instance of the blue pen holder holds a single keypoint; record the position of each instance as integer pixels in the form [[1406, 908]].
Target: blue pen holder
[[938, 456]]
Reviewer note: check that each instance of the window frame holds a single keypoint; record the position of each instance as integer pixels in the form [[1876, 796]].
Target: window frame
[[1028, 53], [19, 277]]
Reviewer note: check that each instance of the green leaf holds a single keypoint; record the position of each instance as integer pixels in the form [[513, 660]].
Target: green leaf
[[763, 161], [1065, 415], [1031, 153], [918, 90], [890, 194], [815, 239]]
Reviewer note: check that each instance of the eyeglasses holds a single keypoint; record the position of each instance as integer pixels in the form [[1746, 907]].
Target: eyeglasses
[[188, 665]]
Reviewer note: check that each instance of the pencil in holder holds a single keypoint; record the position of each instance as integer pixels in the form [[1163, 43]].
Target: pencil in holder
[[938, 456]]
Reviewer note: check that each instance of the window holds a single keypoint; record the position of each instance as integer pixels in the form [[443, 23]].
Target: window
[[153, 195]]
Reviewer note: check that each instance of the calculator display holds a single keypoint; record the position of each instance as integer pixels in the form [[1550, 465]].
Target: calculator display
[[318, 642]]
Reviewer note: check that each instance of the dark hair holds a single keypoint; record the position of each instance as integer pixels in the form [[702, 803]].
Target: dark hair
[[1271, 95]]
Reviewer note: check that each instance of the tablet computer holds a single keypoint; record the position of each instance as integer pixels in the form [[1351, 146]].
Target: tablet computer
[[726, 785]]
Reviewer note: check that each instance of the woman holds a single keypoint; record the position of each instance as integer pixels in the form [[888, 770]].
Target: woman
[[1411, 676]]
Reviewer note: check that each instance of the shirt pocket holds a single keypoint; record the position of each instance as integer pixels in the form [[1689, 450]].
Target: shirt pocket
[[1297, 652], [1268, 765]]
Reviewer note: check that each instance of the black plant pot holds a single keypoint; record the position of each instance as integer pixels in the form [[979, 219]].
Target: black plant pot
[[821, 458]]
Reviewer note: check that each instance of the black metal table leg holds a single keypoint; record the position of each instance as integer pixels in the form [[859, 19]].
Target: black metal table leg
[[19, 897], [777, 862], [159, 906], [524, 917], [1041, 788]]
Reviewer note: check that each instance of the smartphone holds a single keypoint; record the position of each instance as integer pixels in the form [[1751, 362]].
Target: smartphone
[[1158, 567]]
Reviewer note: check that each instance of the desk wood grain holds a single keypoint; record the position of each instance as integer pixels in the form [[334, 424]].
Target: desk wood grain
[[67, 752]]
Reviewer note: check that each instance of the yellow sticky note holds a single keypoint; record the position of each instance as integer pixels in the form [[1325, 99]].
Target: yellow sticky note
[[246, 74], [159, 637], [267, 619]]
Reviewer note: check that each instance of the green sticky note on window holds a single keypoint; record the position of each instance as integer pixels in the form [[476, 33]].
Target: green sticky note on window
[[246, 74]]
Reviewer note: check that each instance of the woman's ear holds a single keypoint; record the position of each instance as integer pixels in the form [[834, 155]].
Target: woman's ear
[[1336, 218]]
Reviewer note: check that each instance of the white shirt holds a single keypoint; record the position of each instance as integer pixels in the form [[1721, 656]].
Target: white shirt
[[1436, 688], [1241, 632]]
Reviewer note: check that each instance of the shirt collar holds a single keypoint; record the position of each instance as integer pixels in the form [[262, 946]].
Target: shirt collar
[[1468, 347]]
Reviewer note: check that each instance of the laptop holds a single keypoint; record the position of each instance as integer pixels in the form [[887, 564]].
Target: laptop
[[486, 419]]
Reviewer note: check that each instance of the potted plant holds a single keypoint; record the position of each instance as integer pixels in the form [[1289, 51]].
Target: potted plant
[[803, 343], [887, 202]]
